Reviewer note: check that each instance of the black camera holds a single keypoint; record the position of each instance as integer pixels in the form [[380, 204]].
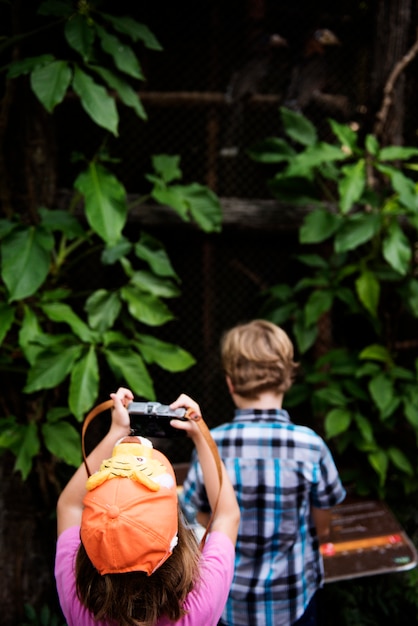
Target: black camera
[[152, 419]]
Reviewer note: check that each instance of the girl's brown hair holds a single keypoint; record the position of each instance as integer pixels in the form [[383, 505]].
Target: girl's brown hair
[[258, 356], [135, 599]]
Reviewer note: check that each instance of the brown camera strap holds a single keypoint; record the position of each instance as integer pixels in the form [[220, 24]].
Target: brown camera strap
[[191, 415]]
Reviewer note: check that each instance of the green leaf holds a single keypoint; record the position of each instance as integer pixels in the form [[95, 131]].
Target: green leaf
[[318, 226], [25, 66], [166, 355], [84, 384], [128, 96], [29, 330], [129, 369], [135, 30], [62, 313], [103, 308], [152, 251], [400, 460], [404, 186], [96, 101], [29, 447], [372, 145], [337, 421], [382, 391], [305, 336], [397, 249], [298, 127], [155, 285], [364, 427], [50, 83], [305, 163], [351, 187], [375, 352], [167, 167], [7, 314], [271, 150], [204, 206], [79, 34], [318, 303], [63, 440], [346, 136], [105, 197], [145, 308], [356, 230], [368, 291], [397, 153], [379, 462], [61, 221], [331, 395], [49, 370], [123, 55], [25, 272]]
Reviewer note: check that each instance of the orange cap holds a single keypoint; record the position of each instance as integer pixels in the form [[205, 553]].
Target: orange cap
[[128, 526]]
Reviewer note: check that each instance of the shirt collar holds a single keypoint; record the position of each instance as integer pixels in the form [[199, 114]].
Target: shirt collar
[[261, 415]]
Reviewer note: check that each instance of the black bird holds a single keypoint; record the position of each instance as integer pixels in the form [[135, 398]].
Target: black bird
[[258, 75], [312, 77]]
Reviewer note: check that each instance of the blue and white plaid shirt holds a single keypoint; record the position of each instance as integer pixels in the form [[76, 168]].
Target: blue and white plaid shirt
[[279, 470]]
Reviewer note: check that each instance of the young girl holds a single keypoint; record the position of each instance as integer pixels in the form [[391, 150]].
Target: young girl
[[124, 556]]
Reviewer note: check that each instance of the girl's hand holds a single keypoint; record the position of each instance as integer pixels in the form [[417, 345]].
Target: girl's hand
[[184, 401], [121, 399]]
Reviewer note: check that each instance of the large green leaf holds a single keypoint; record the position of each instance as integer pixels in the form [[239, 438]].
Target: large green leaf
[[122, 54], [155, 285], [49, 370], [103, 308], [96, 102], [26, 261], [63, 440], [318, 303], [305, 163], [105, 198], [271, 150], [152, 251], [145, 307], [135, 30], [79, 34], [318, 226], [61, 221], [62, 313], [166, 355], [298, 127], [382, 391], [128, 96], [130, 370], [352, 185], [84, 384], [356, 230], [50, 83], [379, 461], [397, 249], [29, 446], [337, 421], [400, 460], [368, 291]]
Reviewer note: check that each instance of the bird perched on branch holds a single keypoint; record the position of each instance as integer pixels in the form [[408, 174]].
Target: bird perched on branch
[[261, 72], [313, 74]]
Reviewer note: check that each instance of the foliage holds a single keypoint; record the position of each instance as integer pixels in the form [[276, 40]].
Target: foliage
[[353, 307], [56, 337], [45, 617]]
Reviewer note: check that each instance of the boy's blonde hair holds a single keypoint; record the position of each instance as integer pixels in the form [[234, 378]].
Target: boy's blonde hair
[[258, 356]]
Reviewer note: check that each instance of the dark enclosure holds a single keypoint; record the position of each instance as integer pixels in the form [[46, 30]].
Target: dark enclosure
[[215, 90]]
